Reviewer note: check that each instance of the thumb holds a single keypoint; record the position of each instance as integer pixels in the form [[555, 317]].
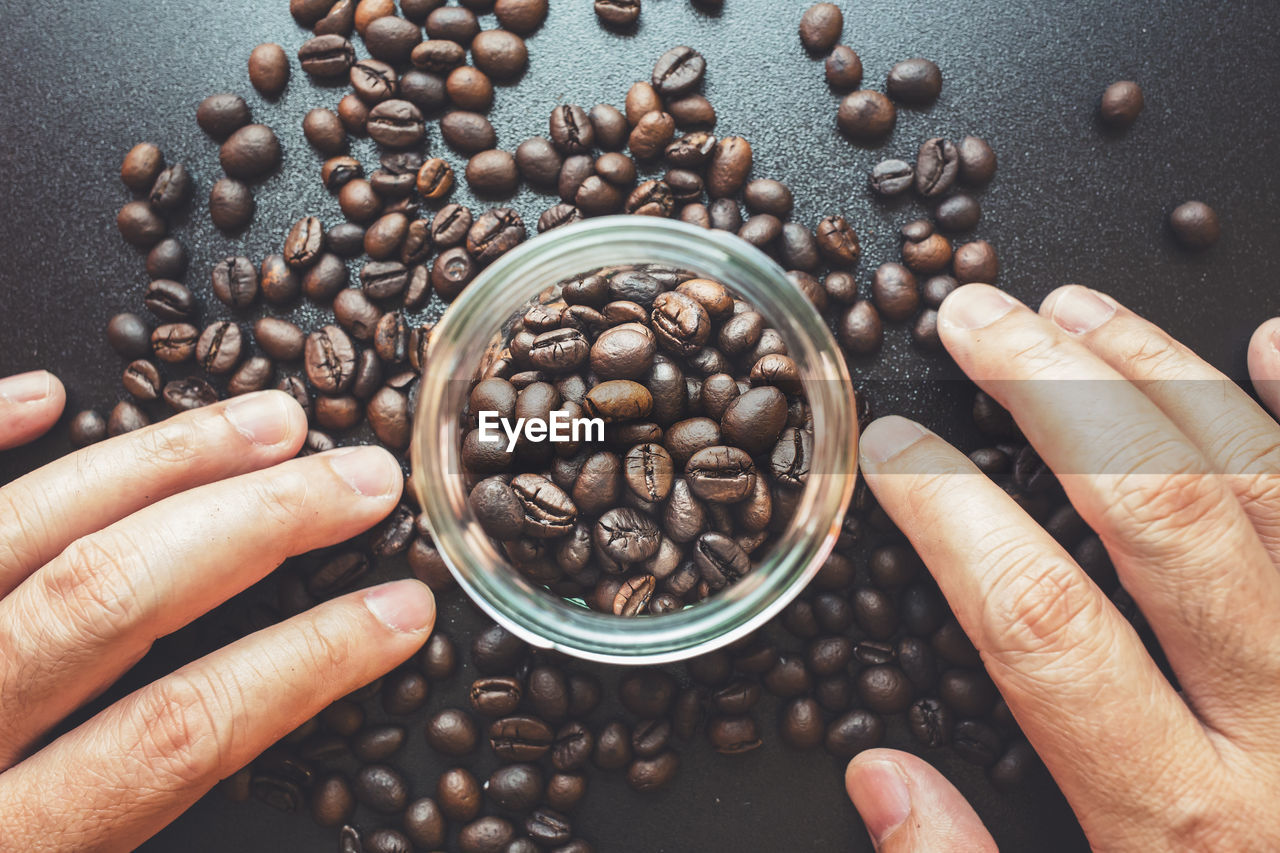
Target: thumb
[[909, 807], [1264, 364]]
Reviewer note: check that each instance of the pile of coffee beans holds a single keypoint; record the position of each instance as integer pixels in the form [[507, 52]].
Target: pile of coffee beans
[[519, 734], [704, 446]]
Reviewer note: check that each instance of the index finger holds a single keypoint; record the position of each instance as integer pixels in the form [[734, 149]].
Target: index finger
[[1074, 673]]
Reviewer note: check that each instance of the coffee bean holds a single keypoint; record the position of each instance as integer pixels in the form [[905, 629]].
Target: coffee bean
[[515, 787], [183, 395], [231, 204], [852, 733], [651, 135], [171, 189], [396, 123], [768, 196], [733, 735], [235, 282], [521, 16], [269, 69], [256, 374], [937, 165], [500, 54], [327, 56], [250, 152], [381, 788], [729, 166], [218, 348], [838, 242], [1121, 103], [618, 13], [977, 162], [1194, 223], [958, 214], [931, 723], [493, 173], [520, 738], [129, 335], [539, 162], [452, 732], [332, 800], [470, 89], [647, 693], [126, 417], [843, 69], [914, 81], [892, 177], [139, 224], [495, 232], [167, 259], [424, 823], [977, 743], [677, 71], [458, 794], [802, 724], [610, 126], [392, 39], [859, 329], [87, 427], [141, 166], [895, 292], [438, 56], [692, 110], [866, 117], [720, 474], [454, 24], [975, 261], [820, 27], [968, 692], [330, 360], [339, 20], [753, 420]]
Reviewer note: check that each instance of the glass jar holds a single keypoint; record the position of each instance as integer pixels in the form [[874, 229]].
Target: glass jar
[[471, 335]]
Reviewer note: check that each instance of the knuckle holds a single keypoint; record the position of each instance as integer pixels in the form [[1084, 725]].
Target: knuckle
[[1164, 506], [176, 441], [185, 734], [91, 587], [284, 497], [1037, 602], [1153, 358]]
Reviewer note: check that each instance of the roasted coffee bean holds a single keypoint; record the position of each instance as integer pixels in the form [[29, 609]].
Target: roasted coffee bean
[[875, 614], [303, 244], [691, 151], [338, 20], [256, 374], [500, 54], [495, 696], [269, 69], [720, 560], [391, 39], [977, 162], [1121, 103], [381, 788], [977, 743], [438, 56], [218, 347], [235, 282], [539, 162], [494, 233], [404, 692], [916, 82], [515, 787], [737, 698], [142, 380], [968, 692], [866, 117], [337, 171], [125, 417], [843, 69], [173, 342], [141, 166], [450, 225], [937, 288], [761, 231], [733, 735], [129, 335], [677, 71], [627, 535], [428, 92], [838, 242], [647, 693], [937, 165], [692, 110], [729, 166], [820, 27], [167, 259], [852, 733], [325, 279], [521, 16], [458, 794], [548, 828], [958, 213], [327, 56], [493, 173], [618, 13], [424, 823], [651, 135], [892, 177], [467, 132], [139, 224], [633, 596], [802, 724], [378, 743], [354, 114], [571, 129], [754, 420], [859, 329], [452, 732], [171, 189], [330, 360], [884, 689], [182, 395], [231, 204], [520, 738], [1194, 224], [324, 131], [768, 196], [975, 261], [721, 474], [332, 800], [250, 152], [895, 292], [396, 123], [548, 511], [454, 24]]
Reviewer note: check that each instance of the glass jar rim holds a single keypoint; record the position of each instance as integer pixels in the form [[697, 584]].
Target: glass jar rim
[[456, 351]]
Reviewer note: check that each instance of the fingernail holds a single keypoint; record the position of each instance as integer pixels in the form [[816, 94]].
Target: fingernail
[[889, 436], [879, 790], [369, 471], [974, 307], [261, 417], [1078, 310], [405, 607], [26, 387]]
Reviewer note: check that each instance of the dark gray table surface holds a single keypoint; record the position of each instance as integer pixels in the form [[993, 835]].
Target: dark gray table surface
[[87, 79]]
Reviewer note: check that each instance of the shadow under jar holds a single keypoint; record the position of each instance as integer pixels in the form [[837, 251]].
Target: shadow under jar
[[518, 581]]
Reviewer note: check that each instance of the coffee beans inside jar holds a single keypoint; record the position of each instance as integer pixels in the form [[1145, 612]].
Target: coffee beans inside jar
[[634, 443]]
